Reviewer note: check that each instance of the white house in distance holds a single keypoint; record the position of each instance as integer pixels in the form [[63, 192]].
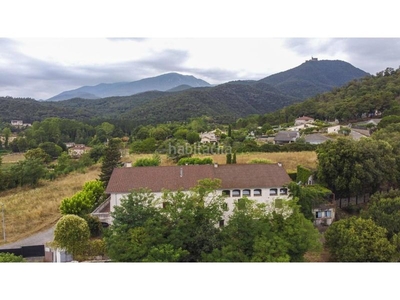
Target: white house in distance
[[208, 137], [303, 120], [333, 129], [264, 183]]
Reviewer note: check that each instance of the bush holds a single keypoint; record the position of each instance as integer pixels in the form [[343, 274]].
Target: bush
[[195, 161], [95, 226], [10, 257], [260, 161], [147, 162]]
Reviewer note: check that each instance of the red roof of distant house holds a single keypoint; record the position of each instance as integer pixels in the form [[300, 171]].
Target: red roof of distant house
[[123, 180]]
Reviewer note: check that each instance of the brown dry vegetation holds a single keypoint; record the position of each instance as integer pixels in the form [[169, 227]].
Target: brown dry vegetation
[[28, 211], [290, 160], [12, 158]]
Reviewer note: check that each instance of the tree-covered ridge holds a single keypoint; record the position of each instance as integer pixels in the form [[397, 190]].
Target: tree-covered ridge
[[314, 77], [365, 97]]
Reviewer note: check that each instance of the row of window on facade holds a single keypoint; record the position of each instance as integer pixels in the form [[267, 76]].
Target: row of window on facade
[[256, 192], [323, 214]]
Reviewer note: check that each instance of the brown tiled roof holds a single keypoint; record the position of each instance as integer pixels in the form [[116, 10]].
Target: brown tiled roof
[[123, 180]]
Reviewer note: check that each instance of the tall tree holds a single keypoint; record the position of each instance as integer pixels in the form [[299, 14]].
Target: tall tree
[[111, 160], [6, 133]]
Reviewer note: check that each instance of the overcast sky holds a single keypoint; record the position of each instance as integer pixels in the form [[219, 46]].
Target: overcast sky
[[41, 68], [66, 49]]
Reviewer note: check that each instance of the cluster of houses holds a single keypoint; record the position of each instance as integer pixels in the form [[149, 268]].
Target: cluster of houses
[[293, 133]]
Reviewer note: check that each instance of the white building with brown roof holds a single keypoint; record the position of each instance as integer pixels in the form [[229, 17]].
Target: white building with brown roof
[[264, 183], [303, 120]]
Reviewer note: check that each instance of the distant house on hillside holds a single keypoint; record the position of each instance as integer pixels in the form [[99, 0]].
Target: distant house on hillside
[[286, 137], [19, 123], [77, 150], [303, 120], [208, 137], [333, 129]]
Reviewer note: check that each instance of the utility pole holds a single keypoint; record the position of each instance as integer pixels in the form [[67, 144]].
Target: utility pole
[[4, 225]]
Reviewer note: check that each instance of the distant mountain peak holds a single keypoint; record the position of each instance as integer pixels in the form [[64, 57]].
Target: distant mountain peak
[[161, 82]]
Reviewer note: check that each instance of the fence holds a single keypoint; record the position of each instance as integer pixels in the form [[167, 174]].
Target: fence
[[26, 251], [343, 202]]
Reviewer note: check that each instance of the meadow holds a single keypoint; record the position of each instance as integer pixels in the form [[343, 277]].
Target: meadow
[[31, 210]]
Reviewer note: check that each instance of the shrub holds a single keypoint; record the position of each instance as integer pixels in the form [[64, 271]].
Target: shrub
[[195, 161], [10, 257]]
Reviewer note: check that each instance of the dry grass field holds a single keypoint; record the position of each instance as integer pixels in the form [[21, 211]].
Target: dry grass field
[[12, 158], [28, 211], [290, 160]]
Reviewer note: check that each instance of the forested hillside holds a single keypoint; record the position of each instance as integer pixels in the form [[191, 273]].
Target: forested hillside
[[371, 95], [314, 77]]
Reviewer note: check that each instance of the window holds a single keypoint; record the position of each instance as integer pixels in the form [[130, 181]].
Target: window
[[283, 191], [226, 193], [278, 203], [328, 213], [221, 223], [257, 192], [246, 192], [225, 206], [236, 193], [318, 214], [273, 192]]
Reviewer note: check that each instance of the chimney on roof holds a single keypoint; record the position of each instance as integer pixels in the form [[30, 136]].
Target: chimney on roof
[[128, 165], [279, 164], [215, 165]]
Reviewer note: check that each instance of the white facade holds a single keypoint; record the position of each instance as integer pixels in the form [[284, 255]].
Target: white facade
[[333, 129], [261, 195]]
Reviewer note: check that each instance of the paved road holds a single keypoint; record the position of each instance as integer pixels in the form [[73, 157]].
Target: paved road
[[40, 238]]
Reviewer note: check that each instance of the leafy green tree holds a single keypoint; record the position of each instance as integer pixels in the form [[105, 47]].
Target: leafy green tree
[[28, 172], [72, 234], [7, 134], [111, 160], [39, 154], [358, 240], [51, 149], [178, 227], [148, 145], [84, 201], [257, 232], [385, 212], [192, 137], [10, 257], [350, 167]]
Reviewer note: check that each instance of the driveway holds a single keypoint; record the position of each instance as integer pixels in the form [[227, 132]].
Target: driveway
[[40, 238]]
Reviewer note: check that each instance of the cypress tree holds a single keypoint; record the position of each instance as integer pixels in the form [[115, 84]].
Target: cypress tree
[[111, 160]]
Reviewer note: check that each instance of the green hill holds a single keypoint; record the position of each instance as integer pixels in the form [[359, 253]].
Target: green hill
[[314, 77]]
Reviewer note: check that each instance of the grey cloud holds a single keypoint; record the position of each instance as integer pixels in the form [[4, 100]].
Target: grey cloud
[[369, 54]]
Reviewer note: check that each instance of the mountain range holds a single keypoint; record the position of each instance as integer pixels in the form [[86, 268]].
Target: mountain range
[[160, 83], [171, 98]]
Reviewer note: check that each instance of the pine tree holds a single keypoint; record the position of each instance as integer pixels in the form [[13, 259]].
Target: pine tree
[[234, 158], [111, 160]]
